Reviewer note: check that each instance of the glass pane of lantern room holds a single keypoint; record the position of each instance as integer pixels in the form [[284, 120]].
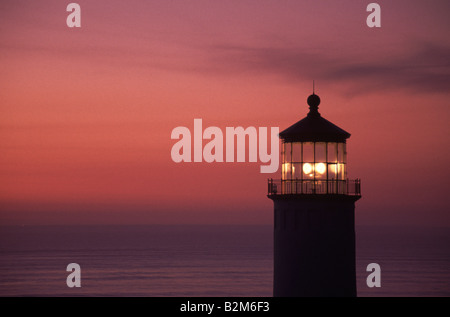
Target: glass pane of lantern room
[[332, 171], [320, 155], [341, 153], [296, 152], [341, 171], [296, 170], [286, 171], [308, 171], [332, 152], [287, 152], [308, 152], [308, 160], [320, 168]]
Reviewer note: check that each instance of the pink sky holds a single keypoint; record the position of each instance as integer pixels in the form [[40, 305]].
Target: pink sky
[[86, 114]]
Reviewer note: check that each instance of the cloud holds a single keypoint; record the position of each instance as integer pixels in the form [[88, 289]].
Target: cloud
[[422, 68]]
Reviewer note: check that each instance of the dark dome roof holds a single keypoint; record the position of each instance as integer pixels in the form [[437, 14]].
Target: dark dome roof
[[314, 128]]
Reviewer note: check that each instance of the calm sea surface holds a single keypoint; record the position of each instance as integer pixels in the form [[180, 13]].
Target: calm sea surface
[[202, 260]]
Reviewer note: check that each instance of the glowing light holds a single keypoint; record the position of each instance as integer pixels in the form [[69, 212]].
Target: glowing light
[[307, 168], [332, 170], [320, 168]]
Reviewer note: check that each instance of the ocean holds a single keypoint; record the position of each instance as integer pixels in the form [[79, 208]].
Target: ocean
[[202, 260]]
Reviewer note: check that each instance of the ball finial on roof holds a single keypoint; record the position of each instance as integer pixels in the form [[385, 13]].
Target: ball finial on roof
[[313, 100]]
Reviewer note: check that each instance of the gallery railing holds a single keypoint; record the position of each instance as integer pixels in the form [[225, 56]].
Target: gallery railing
[[314, 187]]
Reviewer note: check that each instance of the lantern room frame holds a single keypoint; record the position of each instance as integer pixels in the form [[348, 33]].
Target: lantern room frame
[[314, 158]]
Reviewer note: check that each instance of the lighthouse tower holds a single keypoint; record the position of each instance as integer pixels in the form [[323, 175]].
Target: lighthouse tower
[[314, 211]]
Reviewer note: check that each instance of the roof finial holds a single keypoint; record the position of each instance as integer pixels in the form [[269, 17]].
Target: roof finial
[[313, 102]]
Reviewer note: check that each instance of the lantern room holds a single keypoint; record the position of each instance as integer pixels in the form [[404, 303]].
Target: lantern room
[[314, 157]]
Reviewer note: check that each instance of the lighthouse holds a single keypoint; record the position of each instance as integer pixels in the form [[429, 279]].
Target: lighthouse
[[314, 211]]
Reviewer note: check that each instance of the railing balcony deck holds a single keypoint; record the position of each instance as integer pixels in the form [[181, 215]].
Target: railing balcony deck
[[314, 187]]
